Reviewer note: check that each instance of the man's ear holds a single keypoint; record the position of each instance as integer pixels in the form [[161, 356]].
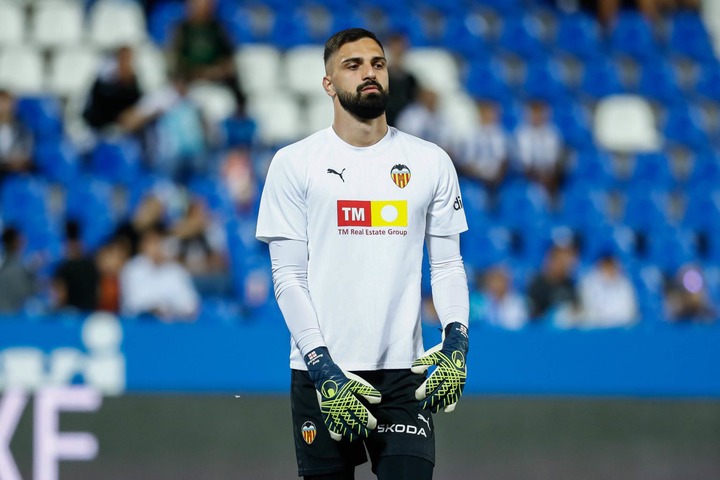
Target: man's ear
[[328, 86]]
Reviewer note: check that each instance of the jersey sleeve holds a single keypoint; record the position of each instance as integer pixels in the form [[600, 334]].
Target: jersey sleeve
[[446, 215], [283, 211]]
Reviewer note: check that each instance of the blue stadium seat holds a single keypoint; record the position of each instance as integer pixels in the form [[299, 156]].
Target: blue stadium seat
[[702, 210], [487, 249], [523, 204], [43, 115], [600, 78], [213, 192], [645, 208], [464, 38], [411, 24], [705, 173], [239, 26], [658, 81], [543, 80], [58, 161], [520, 35], [708, 81], [591, 168], [654, 169], [89, 201], [163, 19], [632, 35], [504, 7], [118, 160], [487, 79], [690, 38], [584, 208], [670, 248], [686, 126], [605, 237], [649, 283], [574, 125], [22, 194], [290, 30], [579, 36]]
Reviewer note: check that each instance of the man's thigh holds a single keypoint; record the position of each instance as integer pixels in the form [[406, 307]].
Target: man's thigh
[[404, 429], [317, 453]]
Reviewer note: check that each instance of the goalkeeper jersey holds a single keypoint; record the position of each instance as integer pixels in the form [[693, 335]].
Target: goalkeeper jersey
[[364, 213]]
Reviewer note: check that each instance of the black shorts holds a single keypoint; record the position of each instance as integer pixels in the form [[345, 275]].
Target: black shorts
[[403, 428]]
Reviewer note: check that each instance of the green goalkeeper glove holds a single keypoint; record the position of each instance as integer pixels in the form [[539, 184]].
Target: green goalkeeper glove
[[444, 386], [343, 413]]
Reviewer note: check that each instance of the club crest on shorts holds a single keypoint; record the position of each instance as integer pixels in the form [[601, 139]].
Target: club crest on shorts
[[400, 175], [308, 432]]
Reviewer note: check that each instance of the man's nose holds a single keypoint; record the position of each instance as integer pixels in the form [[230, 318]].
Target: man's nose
[[369, 72]]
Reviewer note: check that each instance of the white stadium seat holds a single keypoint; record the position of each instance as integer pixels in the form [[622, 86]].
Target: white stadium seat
[[151, 67], [258, 68], [304, 70], [434, 68], [625, 123], [57, 23], [215, 102], [72, 71], [278, 118], [114, 23], [21, 69], [319, 114], [12, 23]]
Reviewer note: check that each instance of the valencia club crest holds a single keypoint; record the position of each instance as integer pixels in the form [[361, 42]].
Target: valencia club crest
[[308, 432], [400, 175]]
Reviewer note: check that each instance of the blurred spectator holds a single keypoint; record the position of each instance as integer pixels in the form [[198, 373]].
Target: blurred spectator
[[178, 137], [114, 93], [482, 155], [151, 283], [539, 147], [403, 85], [607, 296], [75, 283], [554, 287], [111, 258], [497, 303], [148, 213], [16, 141], [17, 282], [201, 250], [422, 119], [240, 179], [687, 298], [202, 49]]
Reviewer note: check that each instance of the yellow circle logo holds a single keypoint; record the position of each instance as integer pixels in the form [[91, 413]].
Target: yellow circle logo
[[329, 389], [458, 359]]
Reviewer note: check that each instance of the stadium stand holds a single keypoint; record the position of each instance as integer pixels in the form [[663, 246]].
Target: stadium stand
[[638, 93]]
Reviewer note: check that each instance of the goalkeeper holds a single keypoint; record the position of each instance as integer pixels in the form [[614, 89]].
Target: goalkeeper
[[346, 213]]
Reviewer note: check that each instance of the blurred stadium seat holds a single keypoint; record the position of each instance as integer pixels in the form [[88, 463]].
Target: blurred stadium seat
[[72, 70], [12, 23], [21, 69], [625, 123], [114, 23], [57, 23]]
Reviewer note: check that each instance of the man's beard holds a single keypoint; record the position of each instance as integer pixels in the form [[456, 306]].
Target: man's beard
[[366, 107]]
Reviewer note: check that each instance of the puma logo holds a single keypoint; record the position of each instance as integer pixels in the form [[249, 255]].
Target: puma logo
[[330, 170], [420, 417]]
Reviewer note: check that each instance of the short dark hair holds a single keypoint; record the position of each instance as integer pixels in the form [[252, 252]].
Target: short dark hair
[[347, 36], [10, 239]]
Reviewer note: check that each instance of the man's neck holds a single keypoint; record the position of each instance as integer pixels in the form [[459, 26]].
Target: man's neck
[[359, 132]]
